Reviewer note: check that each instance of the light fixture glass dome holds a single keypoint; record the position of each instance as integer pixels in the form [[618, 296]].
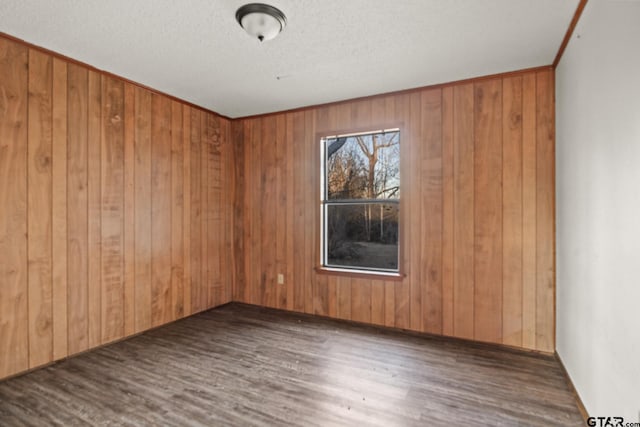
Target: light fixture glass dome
[[261, 21]]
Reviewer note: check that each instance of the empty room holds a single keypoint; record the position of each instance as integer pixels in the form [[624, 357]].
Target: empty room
[[320, 213]]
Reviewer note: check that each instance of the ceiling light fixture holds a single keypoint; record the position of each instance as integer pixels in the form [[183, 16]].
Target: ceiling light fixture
[[261, 21]]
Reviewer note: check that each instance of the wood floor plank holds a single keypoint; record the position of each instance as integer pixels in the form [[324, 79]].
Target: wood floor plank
[[250, 366]]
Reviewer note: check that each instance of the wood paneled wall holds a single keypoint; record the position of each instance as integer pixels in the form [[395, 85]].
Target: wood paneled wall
[[116, 209], [477, 170]]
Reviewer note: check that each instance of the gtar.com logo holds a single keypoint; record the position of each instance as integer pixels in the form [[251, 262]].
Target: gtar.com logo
[[605, 422]]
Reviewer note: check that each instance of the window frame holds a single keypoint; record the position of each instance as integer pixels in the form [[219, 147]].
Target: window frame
[[354, 272]]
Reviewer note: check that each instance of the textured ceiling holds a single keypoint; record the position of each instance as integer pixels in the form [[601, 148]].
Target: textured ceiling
[[331, 49]]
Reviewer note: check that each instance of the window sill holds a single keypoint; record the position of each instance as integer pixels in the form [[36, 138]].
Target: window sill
[[361, 274]]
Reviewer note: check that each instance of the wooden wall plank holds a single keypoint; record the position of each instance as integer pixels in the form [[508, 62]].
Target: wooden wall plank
[[14, 317], [253, 242], [206, 285], [310, 225], [214, 208], [77, 209], [290, 213], [299, 143], [94, 168], [237, 143], [232, 183], [447, 211], [216, 232], [186, 229], [161, 311], [512, 211], [432, 212], [360, 300], [545, 212], [197, 297], [488, 211], [40, 123], [59, 209], [256, 233], [463, 208], [177, 211], [325, 125], [142, 177], [129, 162], [267, 206], [415, 225], [529, 210], [343, 295], [112, 198], [377, 302], [280, 198], [247, 293], [390, 303], [227, 190]]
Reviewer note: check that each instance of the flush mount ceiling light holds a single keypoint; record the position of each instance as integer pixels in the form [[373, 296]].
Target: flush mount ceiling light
[[261, 21]]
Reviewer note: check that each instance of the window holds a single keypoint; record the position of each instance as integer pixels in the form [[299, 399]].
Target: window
[[361, 201]]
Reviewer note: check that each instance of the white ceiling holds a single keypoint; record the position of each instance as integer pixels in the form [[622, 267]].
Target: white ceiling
[[330, 50]]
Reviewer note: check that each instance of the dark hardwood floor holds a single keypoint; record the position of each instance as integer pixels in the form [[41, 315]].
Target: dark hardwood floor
[[247, 366]]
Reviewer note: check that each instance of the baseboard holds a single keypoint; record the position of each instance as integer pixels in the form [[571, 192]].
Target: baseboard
[[443, 337], [579, 403], [105, 344]]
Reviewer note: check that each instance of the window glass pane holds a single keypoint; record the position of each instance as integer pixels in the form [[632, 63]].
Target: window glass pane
[[362, 235], [363, 167]]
